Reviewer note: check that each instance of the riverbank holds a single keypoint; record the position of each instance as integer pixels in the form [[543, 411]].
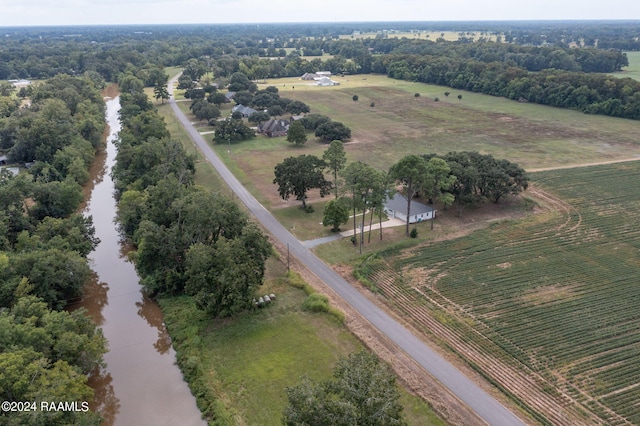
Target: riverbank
[[140, 384]]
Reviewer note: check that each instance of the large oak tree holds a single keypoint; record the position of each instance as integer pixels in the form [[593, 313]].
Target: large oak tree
[[297, 175]]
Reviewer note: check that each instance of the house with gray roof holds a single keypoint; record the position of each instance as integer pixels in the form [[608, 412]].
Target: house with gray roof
[[396, 208], [244, 110]]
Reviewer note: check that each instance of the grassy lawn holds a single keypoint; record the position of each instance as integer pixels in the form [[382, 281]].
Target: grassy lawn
[[533, 136], [633, 70], [245, 363]]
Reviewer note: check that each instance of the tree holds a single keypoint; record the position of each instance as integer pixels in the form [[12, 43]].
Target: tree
[[446, 94], [336, 158], [46, 356], [160, 92], [297, 175], [203, 110], [459, 98], [224, 277], [411, 172], [57, 276], [335, 214], [259, 117], [275, 111], [362, 392], [333, 130], [297, 135], [360, 180], [466, 173], [355, 98], [217, 98], [56, 199], [232, 130], [297, 107], [439, 179]]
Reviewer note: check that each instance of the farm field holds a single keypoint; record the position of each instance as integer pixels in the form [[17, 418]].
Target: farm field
[[547, 307], [538, 314], [424, 35], [533, 136]]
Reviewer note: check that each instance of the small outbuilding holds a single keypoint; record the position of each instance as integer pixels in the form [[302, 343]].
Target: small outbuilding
[[396, 208]]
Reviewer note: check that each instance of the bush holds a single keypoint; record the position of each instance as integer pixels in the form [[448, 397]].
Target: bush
[[316, 302], [413, 233]]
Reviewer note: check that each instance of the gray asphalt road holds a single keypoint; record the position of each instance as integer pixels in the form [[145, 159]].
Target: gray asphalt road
[[471, 394]]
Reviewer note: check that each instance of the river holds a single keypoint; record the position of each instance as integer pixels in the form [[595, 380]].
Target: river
[[141, 384]]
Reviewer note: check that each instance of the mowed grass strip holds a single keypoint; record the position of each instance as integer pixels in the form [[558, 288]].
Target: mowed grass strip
[[557, 292]]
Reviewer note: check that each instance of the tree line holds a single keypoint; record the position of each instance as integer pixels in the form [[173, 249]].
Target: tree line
[[42, 52], [188, 239], [543, 70], [46, 352], [460, 178]]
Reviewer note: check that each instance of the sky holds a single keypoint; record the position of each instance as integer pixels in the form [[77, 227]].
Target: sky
[[120, 12]]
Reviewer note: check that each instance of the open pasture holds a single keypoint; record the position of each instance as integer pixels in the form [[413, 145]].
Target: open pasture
[[552, 298], [633, 70], [400, 123]]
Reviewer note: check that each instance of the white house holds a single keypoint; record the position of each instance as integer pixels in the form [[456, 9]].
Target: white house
[[326, 81], [396, 208]]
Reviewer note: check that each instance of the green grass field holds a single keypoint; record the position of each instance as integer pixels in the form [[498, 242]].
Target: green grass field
[[633, 70], [556, 293], [244, 364]]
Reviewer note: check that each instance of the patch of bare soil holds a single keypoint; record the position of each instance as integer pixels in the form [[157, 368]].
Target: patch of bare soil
[[573, 166]]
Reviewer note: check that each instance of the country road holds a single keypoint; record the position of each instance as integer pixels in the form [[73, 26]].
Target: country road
[[484, 405]]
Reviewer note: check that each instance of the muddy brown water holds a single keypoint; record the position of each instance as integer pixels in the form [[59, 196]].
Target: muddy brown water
[[141, 384]]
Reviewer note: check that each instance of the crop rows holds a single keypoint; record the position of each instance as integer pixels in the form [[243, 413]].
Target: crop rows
[[557, 293]]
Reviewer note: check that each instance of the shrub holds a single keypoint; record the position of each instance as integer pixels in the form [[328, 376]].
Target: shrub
[[413, 233], [316, 302]]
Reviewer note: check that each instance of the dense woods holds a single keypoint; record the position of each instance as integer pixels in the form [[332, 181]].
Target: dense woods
[[47, 353], [188, 239], [557, 64]]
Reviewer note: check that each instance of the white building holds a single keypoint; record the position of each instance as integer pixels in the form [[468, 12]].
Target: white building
[[396, 208]]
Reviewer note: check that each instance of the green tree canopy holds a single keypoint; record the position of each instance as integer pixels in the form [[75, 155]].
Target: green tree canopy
[[336, 158], [333, 130], [297, 135], [362, 392], [411, 172], [297, 175], [336, 213]]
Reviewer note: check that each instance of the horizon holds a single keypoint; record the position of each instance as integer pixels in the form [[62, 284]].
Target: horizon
[[219, 12]]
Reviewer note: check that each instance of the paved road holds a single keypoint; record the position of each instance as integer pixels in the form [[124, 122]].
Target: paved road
[[471, 394]]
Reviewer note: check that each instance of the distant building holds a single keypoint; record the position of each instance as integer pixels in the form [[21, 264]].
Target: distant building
[[14, 170], [396, 208], [20, 83], [274, 127], [244, 110], [326, 81]]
